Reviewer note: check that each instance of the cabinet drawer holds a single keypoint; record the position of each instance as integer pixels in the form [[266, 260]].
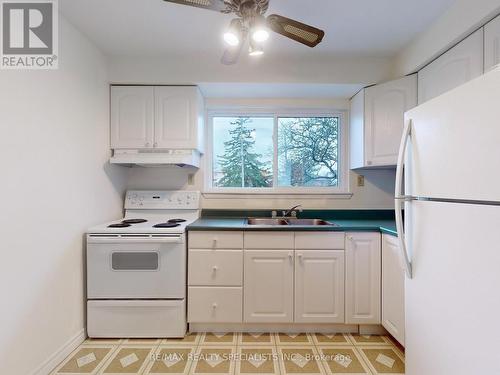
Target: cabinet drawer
[[269, 240], [320, 240], [215, 305], [215, 267], [215, 240]]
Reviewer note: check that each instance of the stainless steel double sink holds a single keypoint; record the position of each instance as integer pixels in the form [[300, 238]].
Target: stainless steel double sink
[[288, 222]]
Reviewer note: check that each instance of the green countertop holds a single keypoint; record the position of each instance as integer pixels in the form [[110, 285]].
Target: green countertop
[[342, 225]]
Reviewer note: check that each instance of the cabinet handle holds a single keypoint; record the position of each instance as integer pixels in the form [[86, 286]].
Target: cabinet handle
[[214, 242], [155, 144], [147, 144], [214, 306], [215, 268], [290, 256], [300, 257]]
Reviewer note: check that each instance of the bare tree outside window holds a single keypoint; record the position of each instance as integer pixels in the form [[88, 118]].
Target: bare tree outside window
[[308, 151]]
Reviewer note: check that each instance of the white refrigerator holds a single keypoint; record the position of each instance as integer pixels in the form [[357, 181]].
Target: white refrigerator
[[448, 182]]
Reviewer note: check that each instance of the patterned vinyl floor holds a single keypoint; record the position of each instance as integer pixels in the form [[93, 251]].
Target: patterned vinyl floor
[[238, 353]]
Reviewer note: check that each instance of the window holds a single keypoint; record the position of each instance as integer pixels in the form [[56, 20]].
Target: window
[[276, 153]]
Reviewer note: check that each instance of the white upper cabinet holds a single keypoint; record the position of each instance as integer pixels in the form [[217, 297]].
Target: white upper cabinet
[[393, 288], [178, 117], [363, 275], [319, 286], [454, 68], [492, 44], [132, 117], [377, 120], [161, 117]]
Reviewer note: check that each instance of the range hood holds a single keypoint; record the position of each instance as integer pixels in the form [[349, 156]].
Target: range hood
[[157, 158]]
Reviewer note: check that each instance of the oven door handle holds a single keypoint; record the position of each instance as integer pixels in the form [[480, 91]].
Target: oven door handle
[[134, 238]]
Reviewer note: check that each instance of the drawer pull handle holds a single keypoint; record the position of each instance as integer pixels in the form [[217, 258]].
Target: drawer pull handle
[[214, 306]]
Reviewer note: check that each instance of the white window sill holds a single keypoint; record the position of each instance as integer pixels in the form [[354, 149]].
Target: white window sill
[[218, 194]]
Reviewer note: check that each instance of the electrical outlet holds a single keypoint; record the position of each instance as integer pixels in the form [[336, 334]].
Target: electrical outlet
[[361, 180]]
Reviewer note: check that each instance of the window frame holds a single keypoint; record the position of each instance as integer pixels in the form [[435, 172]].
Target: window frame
[[276, 113]]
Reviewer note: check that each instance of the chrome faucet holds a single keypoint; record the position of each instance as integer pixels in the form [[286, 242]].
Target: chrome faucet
[[292, 210]]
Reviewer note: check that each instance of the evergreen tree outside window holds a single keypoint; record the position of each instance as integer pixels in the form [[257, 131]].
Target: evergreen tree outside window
[[243, 152]]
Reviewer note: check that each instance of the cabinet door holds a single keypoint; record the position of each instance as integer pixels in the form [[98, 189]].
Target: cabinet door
[[385, 106], [132, 117], [457, 66], [268, 286], [492, 44], [393, 289], [363, 273], [177, 117], [319, 286]]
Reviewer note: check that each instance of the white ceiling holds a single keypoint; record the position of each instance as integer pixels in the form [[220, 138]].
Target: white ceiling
[[154, 28]]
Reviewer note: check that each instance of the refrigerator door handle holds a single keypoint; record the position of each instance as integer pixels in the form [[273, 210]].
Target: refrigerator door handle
[[401, 160], [400, 198]]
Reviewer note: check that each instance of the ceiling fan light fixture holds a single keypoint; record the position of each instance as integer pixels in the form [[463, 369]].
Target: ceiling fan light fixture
[[260, 33], [256, 49], [234, 33]]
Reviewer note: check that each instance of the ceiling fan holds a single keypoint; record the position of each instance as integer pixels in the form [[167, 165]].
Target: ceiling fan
[[250, 23]]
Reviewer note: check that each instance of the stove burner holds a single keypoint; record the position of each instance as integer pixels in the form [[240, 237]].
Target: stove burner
[[134, 221], [166, 225], [176, 221], [119, 225]]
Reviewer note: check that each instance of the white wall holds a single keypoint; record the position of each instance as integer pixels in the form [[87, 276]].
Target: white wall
[[461, 19], [188, 71], [378, 191], [55, 182]]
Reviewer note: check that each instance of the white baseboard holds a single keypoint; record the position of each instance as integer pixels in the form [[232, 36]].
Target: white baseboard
[[59, 356], [273, 327]]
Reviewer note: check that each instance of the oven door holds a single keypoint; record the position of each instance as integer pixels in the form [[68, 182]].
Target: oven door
[[136, 266]]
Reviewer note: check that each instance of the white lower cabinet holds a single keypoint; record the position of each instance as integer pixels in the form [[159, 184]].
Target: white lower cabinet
[[284, 277], [319, 286], [393, 288], [215, 305], [363, 274], [268, 286]]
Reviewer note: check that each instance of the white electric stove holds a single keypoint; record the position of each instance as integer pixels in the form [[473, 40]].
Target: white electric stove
[[136, 267]]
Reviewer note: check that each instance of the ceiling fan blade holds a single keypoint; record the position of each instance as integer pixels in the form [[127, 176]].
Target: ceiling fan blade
[[217, 5], [298, 31]]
